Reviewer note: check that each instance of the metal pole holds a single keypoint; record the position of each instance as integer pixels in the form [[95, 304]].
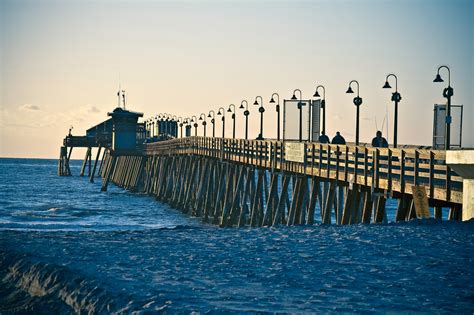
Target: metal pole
[[324, 116], [278, 122], [246, 127], [357, 126], [223, 126], [448, 124], [233, 128], [395, 125], [301, 121]]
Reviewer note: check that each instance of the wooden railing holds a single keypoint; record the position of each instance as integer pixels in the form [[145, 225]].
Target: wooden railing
[[393, 170]]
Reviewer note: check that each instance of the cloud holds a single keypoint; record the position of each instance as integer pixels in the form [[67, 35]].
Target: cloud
[[29, 107], [94, 109]]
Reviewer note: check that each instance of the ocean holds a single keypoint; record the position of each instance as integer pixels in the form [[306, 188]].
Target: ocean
[[66, 247]]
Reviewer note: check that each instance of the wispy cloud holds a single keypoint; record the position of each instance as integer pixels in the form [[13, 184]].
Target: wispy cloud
[[93, 109], [29, 107]]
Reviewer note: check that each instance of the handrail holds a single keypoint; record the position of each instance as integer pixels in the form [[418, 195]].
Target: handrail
[[391, 169]]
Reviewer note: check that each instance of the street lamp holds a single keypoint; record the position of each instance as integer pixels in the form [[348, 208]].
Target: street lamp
[[222, 112], [447, 93], [272, 101], [323, 105], [233, 118], [180, 120], [246, 114], [396, 98], [357, 102], [300, 107], [213, 122], [204, 123], [261, 110], [155, 125], [194, 120], [173, 129]]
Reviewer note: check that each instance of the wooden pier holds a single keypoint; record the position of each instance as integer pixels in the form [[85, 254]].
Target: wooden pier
[[236, 182]]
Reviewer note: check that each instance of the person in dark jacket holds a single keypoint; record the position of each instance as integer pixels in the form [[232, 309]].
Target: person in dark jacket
[[323, 138], [338, 139], [379, 141]]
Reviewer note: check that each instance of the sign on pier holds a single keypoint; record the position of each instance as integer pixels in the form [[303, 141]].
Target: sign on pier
[[295, 152]]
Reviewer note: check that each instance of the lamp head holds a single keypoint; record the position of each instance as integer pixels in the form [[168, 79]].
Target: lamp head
[[200, 118], [386, 85], [294, 97], [219, 113], [241, 106], [229, 110], [438, 78], [316, 94], [349, 90], [209, 116], [272, 100], [255, 103]]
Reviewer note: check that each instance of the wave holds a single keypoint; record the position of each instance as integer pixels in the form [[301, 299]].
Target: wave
[[44, 288]]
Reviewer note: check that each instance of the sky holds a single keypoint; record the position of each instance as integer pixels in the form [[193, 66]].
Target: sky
[[61, 63]]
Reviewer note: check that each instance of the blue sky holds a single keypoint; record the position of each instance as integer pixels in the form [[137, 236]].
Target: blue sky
[[61, 62]]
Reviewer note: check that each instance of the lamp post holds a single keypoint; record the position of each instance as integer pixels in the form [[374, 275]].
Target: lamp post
[[194, 120], [204, 123], [222, 112], [396, 98], [323, 105], [272, 101], [448, 92], [261, 111], [246, 114], [213, 122], [233, 118], [155, 125], [300, 107], [180, 121], [173, 130], [167, 124], [187, 121], [357, 102]]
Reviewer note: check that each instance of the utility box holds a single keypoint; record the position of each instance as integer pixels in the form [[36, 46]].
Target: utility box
[[439, 126], [125, 126]]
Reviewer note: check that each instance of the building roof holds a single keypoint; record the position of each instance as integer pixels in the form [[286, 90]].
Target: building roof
[[123, 112]]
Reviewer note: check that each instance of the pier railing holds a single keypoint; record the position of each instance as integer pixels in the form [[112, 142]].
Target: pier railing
[[389, 169]]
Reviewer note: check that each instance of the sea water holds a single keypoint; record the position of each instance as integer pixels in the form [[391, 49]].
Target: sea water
[[67, 247]]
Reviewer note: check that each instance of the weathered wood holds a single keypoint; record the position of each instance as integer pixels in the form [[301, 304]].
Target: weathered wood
[[255, 207], [380, 215], [84, 163], [402, 208], [280, 209], [315, 184], [331, 194], [367, 211]]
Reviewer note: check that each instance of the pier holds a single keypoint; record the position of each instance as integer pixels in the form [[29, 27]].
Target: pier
[[236, 182]]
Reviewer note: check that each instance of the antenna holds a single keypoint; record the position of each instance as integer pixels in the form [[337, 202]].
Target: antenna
[[119, 89], [123, 98]]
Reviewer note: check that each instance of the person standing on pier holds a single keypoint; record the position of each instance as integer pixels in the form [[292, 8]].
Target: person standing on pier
[[323, 138], [338, 139], [379, 141]]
